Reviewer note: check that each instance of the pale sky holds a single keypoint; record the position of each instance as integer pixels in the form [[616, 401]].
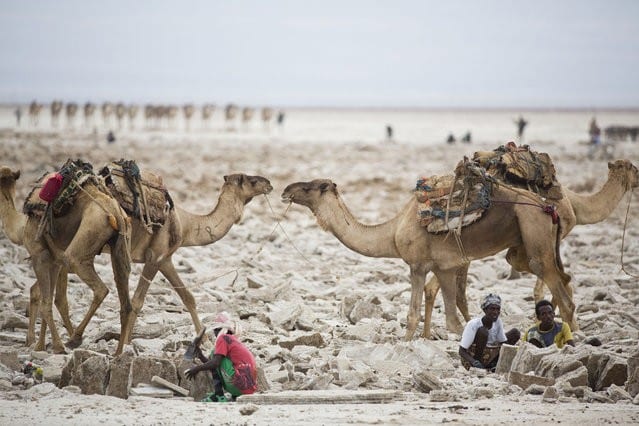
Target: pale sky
[[398, 53]]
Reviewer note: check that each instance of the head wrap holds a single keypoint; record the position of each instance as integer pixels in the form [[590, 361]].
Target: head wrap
[[224, 322], [491, 299]]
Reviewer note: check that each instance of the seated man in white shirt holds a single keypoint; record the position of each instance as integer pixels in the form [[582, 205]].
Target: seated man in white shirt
[[483, 337]]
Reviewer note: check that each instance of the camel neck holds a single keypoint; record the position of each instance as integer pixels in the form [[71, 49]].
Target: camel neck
[[368, 240], [597, 207], [200, 230], [13, 222]]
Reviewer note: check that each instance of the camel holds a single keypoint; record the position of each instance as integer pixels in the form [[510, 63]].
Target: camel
[[132, 112], [34, 113], [107, 111], [56, 109], [71, 110], [267, 115], [247, 116], [89, 111], [623, 176], [518, 223], [183, 229], [93, 221], [120, 112], [188, 110], [207, 113], [230, 112]]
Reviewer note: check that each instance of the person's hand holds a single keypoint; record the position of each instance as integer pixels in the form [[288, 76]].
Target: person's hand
[[191, 372], [197, 352], [477, 364]]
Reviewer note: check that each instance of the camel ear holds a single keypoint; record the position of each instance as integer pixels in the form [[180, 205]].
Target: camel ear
[[610, 165], [16, 175]]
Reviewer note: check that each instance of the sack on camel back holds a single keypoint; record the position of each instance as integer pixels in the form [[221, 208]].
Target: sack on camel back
[[521, 167], [57, 191], [445, 203], [140, 193]]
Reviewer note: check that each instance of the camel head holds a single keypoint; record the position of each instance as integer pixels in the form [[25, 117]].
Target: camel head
[[246, 186], [8, 180], [626, 172], [308, 194]]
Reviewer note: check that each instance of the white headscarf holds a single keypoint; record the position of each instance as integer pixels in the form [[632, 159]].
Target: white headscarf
[[225, 323], [491, 299]]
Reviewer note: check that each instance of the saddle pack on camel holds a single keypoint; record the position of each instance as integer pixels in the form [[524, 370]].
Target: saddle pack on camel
[[445, 203], [141, 194], [521, 167], [55, 192]]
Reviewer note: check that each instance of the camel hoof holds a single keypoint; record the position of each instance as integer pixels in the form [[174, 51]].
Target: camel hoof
[[74, 342], [59, 350]]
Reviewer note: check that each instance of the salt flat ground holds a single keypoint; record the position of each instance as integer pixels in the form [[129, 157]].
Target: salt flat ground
[[375, 178]]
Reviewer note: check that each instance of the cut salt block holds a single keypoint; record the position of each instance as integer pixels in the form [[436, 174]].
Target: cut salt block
[[324, 397]]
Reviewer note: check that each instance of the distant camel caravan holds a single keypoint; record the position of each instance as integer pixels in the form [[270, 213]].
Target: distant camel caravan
[[155, 116], [152, 246], [404, 237]]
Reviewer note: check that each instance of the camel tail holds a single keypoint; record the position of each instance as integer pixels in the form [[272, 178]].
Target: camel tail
[[121, 252], [560, 265]]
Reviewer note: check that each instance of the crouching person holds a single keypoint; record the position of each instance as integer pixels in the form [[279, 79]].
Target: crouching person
[[482, 337], [230, 362]]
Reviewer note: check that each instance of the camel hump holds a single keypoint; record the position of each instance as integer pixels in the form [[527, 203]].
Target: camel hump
[[141, 194], [521, 167]]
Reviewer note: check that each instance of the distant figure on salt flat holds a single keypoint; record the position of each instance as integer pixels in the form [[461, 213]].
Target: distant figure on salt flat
[[389, 132], [521, 125], [18, 114], [594, 131], [110, 137], [467, 138], [280, 119], [450, 138]]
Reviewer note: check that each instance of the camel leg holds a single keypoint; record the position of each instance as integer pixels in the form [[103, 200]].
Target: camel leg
[[149, 271], [430, 292], [538, 292], [62, 302], [540, 237], [461, 277], [169, 272], [34, 311], [86, 271], [417, 280], [121, 270], [45, 268], [448, 283]]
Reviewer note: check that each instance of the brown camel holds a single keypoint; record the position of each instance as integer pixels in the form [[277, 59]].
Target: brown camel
[[34, 113], [71, 111], [182, 229], [207, 113], [93, 221], [89, 112], [132, 112], [188, 110], [403, 237], [623, 176], [56, 109], [120, 112]]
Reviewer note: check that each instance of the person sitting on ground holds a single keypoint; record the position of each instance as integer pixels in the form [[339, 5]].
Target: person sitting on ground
[[483, 336], [231, 363], [548, 331], [450, 138]]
